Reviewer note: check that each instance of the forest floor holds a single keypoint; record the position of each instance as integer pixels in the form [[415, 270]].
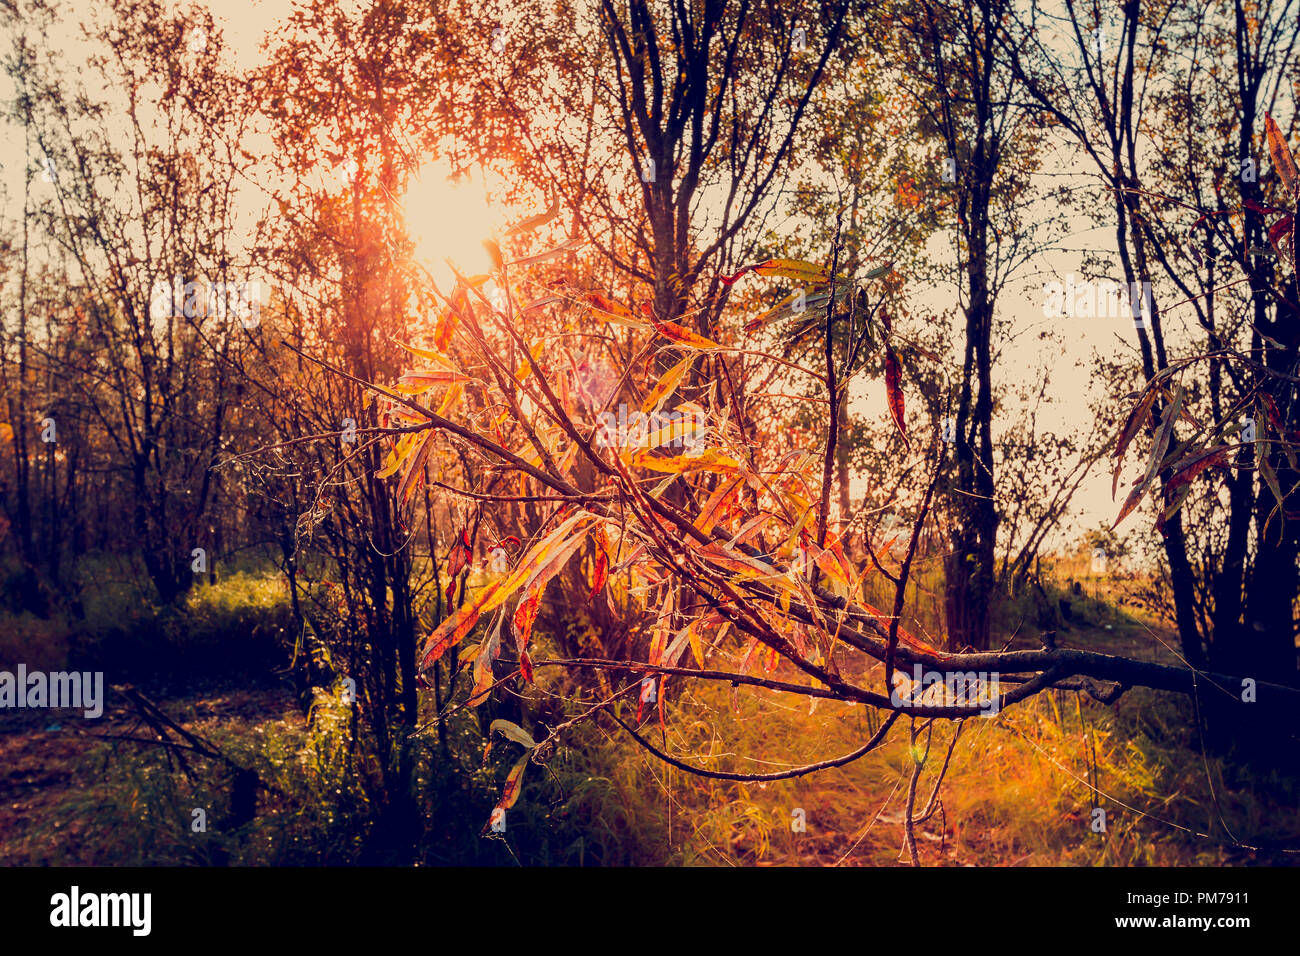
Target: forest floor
[[1024, 787], [52, 785]]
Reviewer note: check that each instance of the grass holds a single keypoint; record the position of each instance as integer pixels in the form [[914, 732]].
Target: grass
[[1022, 788], [1019, 789]]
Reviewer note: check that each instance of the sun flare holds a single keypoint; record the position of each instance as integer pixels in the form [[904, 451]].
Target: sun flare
[[448, 218]]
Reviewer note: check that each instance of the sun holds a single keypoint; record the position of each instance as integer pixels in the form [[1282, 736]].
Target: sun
[[448, 218]]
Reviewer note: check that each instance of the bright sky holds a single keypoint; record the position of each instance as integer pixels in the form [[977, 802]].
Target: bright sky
[[1065, 349]]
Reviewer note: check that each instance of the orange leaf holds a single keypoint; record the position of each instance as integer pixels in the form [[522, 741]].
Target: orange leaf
[[1280, 153], [454, 628], [600, 572], [683, 336]]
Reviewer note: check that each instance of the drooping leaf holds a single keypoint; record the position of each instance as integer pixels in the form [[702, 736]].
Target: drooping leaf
[[567, 246], [797, 269], [513, 731], [530, 603], [709, 460], [1283, 160], [1135, 420], [1185, 471], [483, 675], [414, 473], [1163, 434], [514, 784], [457, 624], [513, 787], [600, 571], [667, 384], [397, 454], [613, 311], [532, 222], [714, 507], [683, 336], [894, 392]]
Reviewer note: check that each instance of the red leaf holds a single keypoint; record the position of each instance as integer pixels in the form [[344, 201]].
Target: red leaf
[[526, 666], [601, 572], [894, 392], [525, 616], [683, 336]]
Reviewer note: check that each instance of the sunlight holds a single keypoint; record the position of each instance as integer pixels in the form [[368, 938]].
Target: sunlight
[[449, 218]]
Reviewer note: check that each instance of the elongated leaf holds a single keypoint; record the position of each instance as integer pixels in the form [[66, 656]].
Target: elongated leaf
[[600, 571], [530, 604], [454, 628], [513, 731], [429, 355], [1283, 160], [514, 786], [415, 470], [809, 272], [567, 246], [532, 222], [709, 460], [894, 392], [715, 506], [667, 384], [683, 336], [483, 676], [1185, 471], [1135, 420], [1157, 455], [536, 556], [397, 454]]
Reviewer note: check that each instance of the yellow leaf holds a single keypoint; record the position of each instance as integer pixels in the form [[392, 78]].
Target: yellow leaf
[[667, 384], [794, 269]]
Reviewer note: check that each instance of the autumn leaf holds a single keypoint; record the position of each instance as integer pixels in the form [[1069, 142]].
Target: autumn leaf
[[415, 470], [510, 792], [600, 572], [530, 604], [613, 311], [1135, 419], [483, 675], [1283, 161], [667, 384], [1157, 455], [513, 731], [894, 392], [683, 336], [455, 627], [397, 454], [567, 246], [514, 784], [445, 327], [1185, 471], [714, 507], [532, 222], [809, 272], [708, 460]]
